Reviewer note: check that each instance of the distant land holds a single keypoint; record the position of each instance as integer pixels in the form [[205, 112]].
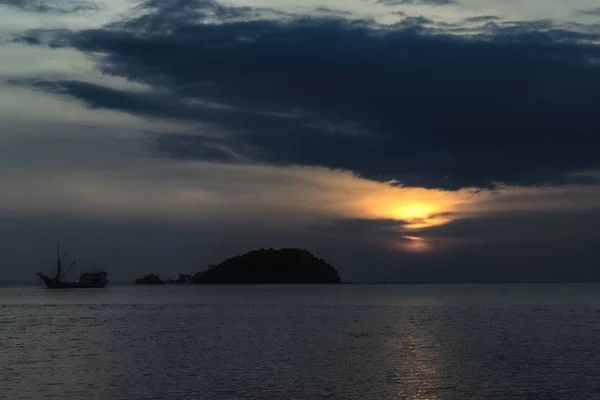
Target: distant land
[[264, 266], [153, 279], [150, 279], [12, 283]]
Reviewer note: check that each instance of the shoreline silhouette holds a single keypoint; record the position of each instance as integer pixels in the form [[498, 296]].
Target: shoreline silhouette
[[264, 266]]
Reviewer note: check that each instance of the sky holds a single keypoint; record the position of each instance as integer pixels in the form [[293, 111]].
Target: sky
[[427, 140]]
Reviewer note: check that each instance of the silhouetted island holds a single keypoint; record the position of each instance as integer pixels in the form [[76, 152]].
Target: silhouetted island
[[150, 279], [181, 279], [270, 266]]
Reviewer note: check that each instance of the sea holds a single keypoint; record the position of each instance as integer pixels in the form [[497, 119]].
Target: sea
[[346, 341]]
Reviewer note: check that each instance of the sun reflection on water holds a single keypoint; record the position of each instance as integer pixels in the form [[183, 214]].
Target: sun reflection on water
[[418, 373]]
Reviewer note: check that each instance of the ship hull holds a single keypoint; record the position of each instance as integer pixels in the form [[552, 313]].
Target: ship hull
[[54, 284]]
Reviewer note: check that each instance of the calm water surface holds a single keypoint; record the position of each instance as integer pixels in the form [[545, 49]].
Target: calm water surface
[[424, 342]]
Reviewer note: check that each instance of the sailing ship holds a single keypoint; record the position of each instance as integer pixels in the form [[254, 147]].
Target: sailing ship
[[87, 280]]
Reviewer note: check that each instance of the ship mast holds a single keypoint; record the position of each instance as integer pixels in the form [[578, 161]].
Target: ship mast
[[59, 261]]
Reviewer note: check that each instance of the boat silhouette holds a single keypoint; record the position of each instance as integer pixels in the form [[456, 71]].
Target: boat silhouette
[[87, 280]]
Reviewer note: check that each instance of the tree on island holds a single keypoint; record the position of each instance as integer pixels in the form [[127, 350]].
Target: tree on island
[[181, 279], [150, 279], [270, 266]]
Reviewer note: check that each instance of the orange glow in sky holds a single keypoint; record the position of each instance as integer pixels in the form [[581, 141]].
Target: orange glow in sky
[[416, 208], [415, 211]]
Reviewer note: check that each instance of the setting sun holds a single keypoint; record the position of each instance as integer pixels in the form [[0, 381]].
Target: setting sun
[[414, 211], [415, 208]]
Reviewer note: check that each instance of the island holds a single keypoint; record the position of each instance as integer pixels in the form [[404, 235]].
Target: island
[[181, 279], [150, 279], [269, 266]]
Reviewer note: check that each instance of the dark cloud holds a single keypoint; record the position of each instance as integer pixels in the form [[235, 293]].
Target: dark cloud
[[157, 14], [483, 18], [183, 146], [515, 104], [543, 32], [594, 11], [327, 10], [42, 6], [30, 40], [415, 22]]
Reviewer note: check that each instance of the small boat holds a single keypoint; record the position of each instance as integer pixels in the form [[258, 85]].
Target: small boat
[[87, 280]]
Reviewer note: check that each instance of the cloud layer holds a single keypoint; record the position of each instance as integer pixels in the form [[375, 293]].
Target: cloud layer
[[424, 107]]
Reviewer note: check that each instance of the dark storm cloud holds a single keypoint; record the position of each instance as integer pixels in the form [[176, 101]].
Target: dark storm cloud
[[42, 6], [516, 104], [114, 99]]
